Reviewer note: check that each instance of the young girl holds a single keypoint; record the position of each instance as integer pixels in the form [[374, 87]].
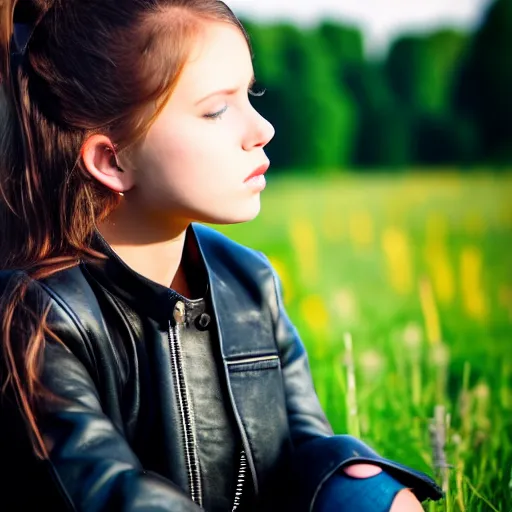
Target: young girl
[[147, 363]]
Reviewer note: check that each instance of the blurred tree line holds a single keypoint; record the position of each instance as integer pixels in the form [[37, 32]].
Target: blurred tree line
[[440, 99]]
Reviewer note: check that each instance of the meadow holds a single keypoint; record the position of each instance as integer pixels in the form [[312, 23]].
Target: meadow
[[401, 288]]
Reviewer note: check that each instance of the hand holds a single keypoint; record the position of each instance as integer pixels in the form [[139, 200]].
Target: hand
[[405, 501]]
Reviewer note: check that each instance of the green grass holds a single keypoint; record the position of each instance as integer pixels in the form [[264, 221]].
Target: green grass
[[417, 268]]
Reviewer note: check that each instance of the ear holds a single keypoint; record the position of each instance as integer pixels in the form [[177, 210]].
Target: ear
[[100, 159]]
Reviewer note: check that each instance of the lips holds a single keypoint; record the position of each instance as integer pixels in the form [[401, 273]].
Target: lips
[[262, 169]]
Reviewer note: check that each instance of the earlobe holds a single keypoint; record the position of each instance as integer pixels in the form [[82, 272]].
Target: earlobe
[[101, 161]]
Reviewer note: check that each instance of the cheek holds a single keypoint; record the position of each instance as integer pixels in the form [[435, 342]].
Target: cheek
[[187, 164], [193, 146]]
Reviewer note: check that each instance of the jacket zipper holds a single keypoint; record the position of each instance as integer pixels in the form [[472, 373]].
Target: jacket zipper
[[240, 481], [191, 458]]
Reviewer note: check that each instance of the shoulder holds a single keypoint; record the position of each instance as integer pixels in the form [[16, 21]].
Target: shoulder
[[73, 311], [17, 285], [66, 288]]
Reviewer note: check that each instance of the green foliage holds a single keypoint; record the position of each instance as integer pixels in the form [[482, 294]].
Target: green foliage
[[422, 70], [383, 137], [485, 84], [313, 118], [437, 99], [344, 45]]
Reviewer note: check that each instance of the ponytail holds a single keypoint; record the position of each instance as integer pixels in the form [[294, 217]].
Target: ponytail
[[25, 236]]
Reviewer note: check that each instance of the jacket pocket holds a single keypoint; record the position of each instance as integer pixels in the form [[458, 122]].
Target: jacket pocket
[[252, 364], [258, 391]]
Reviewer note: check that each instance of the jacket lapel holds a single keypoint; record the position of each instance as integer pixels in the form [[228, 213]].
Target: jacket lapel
[[250, 354]]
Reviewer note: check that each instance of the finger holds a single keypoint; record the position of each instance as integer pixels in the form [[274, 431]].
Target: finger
[[362, 470], [405, 501]]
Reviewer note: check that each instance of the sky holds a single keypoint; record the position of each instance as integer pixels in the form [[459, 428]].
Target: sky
[[381, 20]]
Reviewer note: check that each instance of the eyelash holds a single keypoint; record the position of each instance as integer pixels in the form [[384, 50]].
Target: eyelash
[[218, 115], [258, 94]]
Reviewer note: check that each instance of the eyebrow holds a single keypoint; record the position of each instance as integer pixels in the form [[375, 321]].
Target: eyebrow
[[226, 92]]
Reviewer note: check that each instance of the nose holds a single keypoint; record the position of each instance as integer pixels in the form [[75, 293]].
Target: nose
[[260, 133]]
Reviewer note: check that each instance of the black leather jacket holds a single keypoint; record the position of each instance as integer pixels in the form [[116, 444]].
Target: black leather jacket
[[120, 440]]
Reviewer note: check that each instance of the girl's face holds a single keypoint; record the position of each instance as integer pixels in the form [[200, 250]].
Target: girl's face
[[194, 162]]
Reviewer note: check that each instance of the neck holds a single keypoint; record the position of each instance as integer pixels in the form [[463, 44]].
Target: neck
[[154, 251]]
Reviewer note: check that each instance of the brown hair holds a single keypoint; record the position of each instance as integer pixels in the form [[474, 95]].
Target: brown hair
[[99, 66]]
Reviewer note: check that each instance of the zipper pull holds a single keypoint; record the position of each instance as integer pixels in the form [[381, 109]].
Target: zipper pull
[[179, 313]]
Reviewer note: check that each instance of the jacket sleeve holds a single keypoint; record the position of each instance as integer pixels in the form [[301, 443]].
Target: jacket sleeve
[[90, 461], [318, 453]]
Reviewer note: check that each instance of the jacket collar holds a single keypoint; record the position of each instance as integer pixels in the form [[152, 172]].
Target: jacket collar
[[140, 293], [238, 285]]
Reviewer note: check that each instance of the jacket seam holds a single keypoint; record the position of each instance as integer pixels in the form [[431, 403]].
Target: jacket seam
[[270, 270], [276, 290], [82, 331], [280, 311], [119, 302], [116, 357], [52, 469]]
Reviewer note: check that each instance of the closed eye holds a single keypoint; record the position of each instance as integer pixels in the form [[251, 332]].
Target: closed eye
[[216, 115]]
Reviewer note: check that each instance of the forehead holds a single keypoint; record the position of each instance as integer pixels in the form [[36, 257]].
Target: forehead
[[220, 58]]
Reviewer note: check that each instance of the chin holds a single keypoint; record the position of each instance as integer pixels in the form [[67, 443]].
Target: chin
[[236, 215]]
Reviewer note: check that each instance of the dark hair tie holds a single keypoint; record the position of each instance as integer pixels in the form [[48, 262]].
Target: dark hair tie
[[27, 15], [21, 37]]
